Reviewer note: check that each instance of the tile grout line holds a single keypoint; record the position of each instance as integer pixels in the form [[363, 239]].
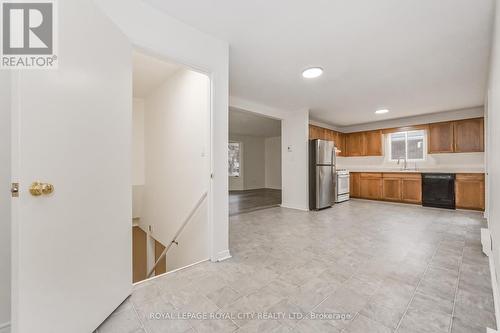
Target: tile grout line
[[416, 288], [456, 289], [138, 317]]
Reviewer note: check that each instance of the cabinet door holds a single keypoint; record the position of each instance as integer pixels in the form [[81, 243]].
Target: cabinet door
[[469, 135], [411, 189], [329, 135], [315, 132], [469, 191], [374, 143], [356, 144], [371, 186], [354, 186], [391, 189], [340, 143], [441, 137]]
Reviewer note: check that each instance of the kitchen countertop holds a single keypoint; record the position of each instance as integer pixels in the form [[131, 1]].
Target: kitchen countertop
[[423, 170]]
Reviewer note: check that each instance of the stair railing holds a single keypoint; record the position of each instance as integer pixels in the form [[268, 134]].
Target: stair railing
[[174, 239]]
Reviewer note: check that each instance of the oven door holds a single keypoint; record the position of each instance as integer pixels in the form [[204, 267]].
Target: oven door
[[343, 184]]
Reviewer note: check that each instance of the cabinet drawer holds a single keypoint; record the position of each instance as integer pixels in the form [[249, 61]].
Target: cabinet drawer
[[371, 175], [470, 176]]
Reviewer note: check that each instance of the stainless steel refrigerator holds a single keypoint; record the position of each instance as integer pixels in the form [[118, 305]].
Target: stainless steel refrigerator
[[321, 174]]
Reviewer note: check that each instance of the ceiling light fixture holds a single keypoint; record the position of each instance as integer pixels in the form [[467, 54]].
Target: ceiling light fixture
[[312, 72], [381, 111]]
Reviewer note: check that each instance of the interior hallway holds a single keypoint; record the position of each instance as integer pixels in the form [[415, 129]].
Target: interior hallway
[[250, 200], [390, 267]]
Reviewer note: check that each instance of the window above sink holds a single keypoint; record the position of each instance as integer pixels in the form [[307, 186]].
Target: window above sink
[[409, 146]]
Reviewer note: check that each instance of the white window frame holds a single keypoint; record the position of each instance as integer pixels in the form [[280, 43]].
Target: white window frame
[[424, 157], [241, 159]]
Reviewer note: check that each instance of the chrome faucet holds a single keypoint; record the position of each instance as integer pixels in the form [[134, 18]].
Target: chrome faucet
[[405, 165]]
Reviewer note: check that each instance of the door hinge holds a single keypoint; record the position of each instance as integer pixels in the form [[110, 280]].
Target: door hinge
[[14, 190]]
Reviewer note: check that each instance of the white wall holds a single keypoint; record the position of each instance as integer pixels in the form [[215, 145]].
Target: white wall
[[138, 157], [273, 162], [494, 145], [462, 162], [177, 173], [184, 44], [294, 150], [5, 218]]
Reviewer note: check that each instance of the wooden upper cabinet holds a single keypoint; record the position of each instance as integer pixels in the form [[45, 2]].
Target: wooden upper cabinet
[[355, 144], [469, 135], [469, 191], [315, 132], [441, 137], [339, 140], [374, 143], [329, 135]]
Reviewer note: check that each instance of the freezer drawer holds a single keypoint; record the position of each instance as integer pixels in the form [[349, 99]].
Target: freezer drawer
[[325, 185]]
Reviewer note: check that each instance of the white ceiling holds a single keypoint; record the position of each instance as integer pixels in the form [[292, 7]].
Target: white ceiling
[[247, 123], [412, 56], [148, 73]]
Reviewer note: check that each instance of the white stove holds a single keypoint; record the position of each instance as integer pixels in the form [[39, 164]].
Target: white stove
[[342, 188]]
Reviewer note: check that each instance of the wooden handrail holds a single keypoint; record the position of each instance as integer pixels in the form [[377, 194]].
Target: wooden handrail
[[174, 240]]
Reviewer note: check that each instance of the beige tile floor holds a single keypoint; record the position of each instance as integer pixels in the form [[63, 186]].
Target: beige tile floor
[[380, 267]]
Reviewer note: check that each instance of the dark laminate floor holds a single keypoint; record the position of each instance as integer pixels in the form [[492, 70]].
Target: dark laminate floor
[[250, 200]]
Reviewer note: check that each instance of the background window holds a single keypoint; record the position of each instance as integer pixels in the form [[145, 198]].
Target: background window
[[234, 159], [409, 145]]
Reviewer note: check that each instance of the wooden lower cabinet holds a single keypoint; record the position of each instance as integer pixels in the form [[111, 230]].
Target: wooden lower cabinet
[[411, 189], [469, 191], [371, 186], [397, 187], [391, 189], [354, 185], [407, 188]]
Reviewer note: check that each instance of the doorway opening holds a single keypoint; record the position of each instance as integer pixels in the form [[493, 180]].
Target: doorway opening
[[254, 152], [170, 166]]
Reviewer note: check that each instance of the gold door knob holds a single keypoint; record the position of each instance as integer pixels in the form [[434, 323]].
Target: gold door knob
[[37, 189], [47, 188]]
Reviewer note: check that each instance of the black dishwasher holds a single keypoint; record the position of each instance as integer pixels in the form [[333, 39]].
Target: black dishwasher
[[438, 190]]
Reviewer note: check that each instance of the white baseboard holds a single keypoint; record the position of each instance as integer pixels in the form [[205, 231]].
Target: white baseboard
[[486, 241], [487, 249], [223, 255], [494, 286], [294, 207], [5, 327], [170, 272]]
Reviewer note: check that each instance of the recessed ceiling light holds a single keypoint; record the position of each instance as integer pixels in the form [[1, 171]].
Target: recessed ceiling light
[[312, 72], [381, 111]]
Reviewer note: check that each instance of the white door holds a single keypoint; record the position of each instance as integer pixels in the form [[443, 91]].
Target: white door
[[72, 129]]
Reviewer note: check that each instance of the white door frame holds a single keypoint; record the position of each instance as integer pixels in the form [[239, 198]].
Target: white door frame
[[187, 46], [165, 57]]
